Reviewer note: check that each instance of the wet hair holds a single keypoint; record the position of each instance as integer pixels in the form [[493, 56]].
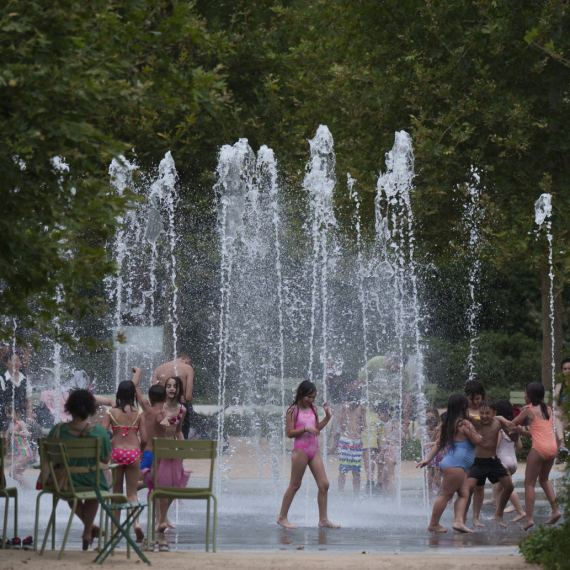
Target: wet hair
[[443, 416], [434, 412], [505, 408], [384, 408], [179, 387], [81, 403], [184, 356], [157, 393], [126, 395], [474, 388], [564, 361], [457, 406], [488, 403], [305, 388], [535, 393]]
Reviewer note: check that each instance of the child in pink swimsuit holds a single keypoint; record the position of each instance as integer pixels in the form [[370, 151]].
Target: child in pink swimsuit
[[302, 422]]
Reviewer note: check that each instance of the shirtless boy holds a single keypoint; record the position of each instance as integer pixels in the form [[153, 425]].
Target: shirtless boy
[[181, 367], [352, 421], [475, 392], [487, 465], [156, 418]]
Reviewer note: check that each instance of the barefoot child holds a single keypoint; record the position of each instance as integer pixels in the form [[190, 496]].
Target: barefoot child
[[433, 470], [20, 445], [486, 464], [371, 437], [302, 423], [393, 439], [544, 450], [459, 433], [127, 423], [352, 421], [475, 392], [507, 452]]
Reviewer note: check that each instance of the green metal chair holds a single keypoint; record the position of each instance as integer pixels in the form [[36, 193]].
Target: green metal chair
[[58, 452], [180, 449], [6, 493]]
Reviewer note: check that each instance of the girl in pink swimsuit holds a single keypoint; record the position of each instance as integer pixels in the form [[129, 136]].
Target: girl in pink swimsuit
[[541, 457], [127, 423], [302, 424]]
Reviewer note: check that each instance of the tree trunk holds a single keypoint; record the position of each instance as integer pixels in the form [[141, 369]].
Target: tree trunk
[[547, 329]]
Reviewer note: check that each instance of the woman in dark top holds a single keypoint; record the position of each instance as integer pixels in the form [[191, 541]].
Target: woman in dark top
[[81, 405]]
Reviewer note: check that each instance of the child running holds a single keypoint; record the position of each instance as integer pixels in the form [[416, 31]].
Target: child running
[[19, 436], [302, 424], [459, 433], [486, 464], [507, 452], [127, 423], [541, 456]]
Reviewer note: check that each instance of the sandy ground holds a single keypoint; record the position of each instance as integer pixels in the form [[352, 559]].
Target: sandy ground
[[13, 560]]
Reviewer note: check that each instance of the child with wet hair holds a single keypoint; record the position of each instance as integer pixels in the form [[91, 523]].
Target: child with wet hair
[[433, 471], [541, 456], [352, 421]]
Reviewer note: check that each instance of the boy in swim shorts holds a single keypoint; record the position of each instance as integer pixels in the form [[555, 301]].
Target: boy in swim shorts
[[352, 421], [487, 465]]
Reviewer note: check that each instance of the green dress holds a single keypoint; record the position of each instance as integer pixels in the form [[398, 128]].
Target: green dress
[[86, 479]]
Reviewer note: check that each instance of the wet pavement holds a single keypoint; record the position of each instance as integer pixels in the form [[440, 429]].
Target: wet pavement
[[248, 509]]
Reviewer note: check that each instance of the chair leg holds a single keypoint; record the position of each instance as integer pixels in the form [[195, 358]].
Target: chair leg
[[62, 551], [215, 522], [208, 524], [55, 502], [51, 523], [37, 520], [15, 514], [150, 524], [6, 507]]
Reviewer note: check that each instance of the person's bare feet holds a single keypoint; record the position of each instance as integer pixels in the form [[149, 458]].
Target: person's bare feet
[[477, 523], [139, 533], [509, 509], [489, 502], [285, 523], [519, 517], [528, 525], [161, 527], [500, 520], [554, 518], [169, 523], [437, 528], [460, 527], [327, 524]]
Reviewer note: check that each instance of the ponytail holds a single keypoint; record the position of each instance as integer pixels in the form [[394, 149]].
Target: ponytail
[[535, 393]]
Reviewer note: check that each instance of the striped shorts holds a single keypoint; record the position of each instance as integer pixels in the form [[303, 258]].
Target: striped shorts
[[350, 455]]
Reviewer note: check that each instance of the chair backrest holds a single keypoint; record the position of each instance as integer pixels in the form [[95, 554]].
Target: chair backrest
[[185, 449], [64, 453]]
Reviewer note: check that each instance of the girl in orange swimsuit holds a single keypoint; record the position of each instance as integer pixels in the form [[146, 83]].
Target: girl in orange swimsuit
[[126, 421], [541, 456]]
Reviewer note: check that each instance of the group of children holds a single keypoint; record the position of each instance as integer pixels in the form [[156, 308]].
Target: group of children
[[477, 440], [133, 430]]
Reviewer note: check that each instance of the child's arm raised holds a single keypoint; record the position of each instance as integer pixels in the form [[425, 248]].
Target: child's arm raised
[[468, 429], [327, 417], [142, 431], [434, 451], [140, 396]]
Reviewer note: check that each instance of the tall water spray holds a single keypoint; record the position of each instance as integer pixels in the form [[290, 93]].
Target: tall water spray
[[472, 219], [396, 227], [543, 217]]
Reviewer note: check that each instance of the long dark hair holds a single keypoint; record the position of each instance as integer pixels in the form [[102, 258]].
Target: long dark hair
[[505, 408], [179, 387], [456, 410], [305, 388], [535, 393], [126, 395]]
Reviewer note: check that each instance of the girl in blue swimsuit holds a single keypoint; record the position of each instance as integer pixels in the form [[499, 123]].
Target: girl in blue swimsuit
[[459, 433]]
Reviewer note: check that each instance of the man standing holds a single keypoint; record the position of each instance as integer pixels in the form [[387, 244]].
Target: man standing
[[181, 367]]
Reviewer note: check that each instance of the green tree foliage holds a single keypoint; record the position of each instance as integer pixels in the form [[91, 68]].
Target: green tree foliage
[[82, 82]]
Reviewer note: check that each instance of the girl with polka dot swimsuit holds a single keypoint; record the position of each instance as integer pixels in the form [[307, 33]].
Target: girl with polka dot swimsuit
[[127, 422]]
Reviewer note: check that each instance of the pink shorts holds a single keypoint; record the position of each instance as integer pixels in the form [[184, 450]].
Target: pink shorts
[[125, 456]]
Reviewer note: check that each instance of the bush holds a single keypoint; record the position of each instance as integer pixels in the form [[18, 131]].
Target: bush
[[412, 450]]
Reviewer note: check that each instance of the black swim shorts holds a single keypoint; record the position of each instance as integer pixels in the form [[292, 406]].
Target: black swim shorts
[[487, 468]]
